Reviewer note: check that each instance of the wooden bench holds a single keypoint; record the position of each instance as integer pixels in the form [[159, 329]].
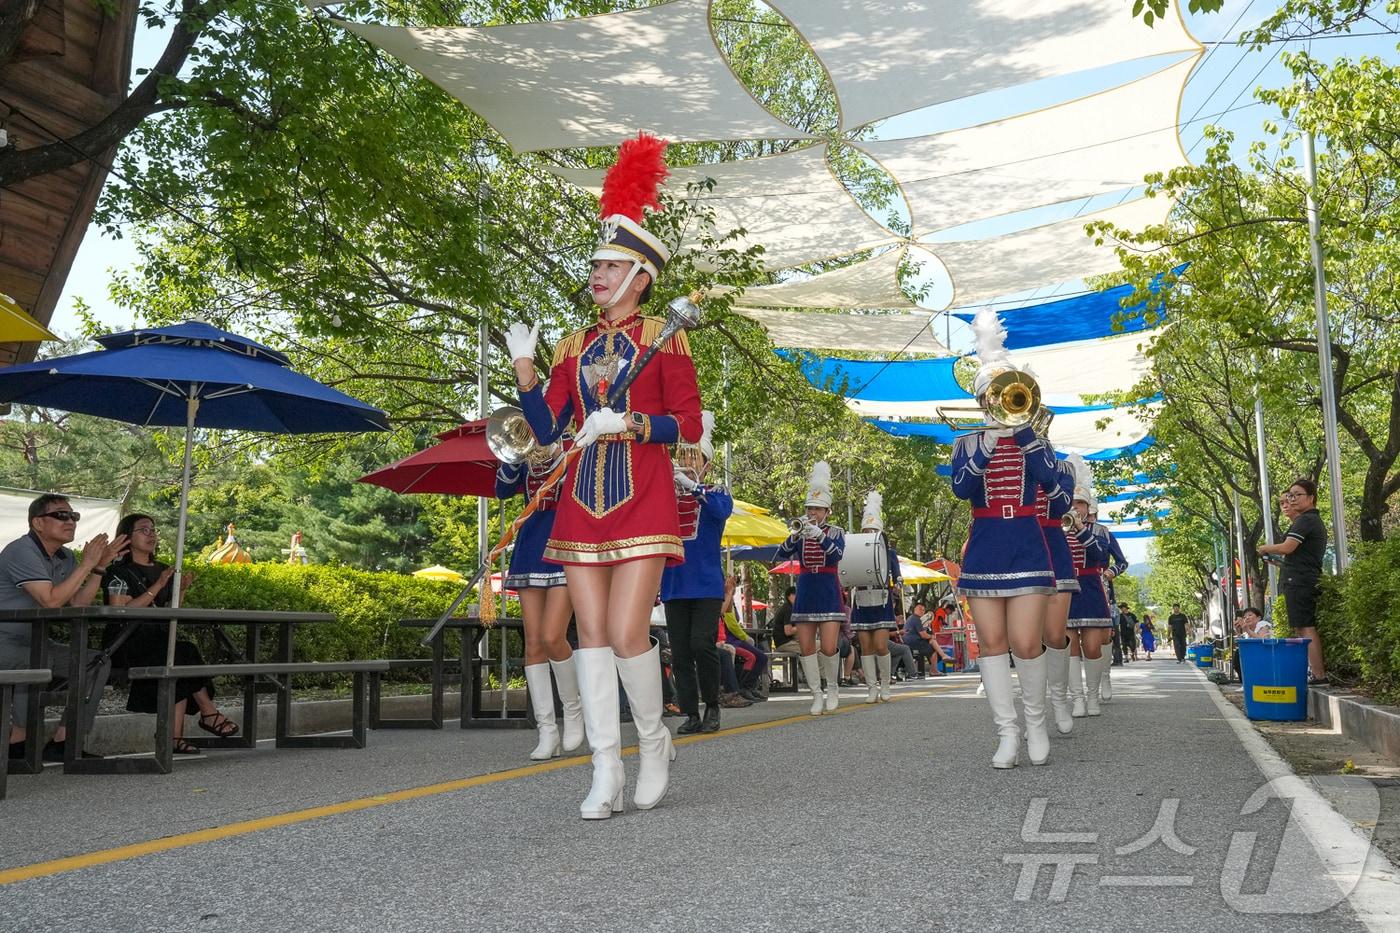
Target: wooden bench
[[787, 660], [165, 703], [439, 669], [8, 681]]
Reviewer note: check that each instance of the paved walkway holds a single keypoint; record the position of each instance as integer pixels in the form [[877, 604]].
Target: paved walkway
[[877, 818]]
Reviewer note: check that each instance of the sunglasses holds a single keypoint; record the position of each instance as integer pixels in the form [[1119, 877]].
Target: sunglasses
[[63, 515]]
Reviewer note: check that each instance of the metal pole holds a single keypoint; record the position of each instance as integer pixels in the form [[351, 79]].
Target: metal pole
[[850, 503], [728, 484], [1324, 361], [1265, 496], [1247, 593], [483, 504], [919, 540]]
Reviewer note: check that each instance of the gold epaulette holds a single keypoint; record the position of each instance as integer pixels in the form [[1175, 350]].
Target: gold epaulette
[[651, 329], [572, 345]]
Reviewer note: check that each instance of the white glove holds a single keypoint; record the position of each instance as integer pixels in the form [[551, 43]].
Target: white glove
[[684, 481], [520, 341], [603, 421], [812, 531]]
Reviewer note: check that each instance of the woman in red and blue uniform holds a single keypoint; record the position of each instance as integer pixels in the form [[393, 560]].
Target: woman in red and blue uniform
[[874, 613], [1114, 566], [617, 526], [544, 605], [819, 609], [1090, 625], [1006, 573], [1053, 504]]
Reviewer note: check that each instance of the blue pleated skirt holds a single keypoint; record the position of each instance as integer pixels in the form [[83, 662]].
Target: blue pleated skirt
[[1006, 557], [1088, 607], [1061, 560], [873, 618], [818, 598], [528, 568]]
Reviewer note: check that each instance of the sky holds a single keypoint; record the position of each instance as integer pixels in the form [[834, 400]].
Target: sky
[[1224, 81]]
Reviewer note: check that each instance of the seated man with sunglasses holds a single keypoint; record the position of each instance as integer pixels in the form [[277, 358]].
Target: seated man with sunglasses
[[37, 571]]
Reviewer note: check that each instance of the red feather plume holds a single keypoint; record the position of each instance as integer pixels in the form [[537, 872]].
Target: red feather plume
[[632, 182]]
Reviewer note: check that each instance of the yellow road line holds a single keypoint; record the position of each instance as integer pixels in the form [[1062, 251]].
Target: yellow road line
[[243, 828]]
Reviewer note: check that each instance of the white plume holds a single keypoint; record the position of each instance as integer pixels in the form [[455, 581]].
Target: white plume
[[821, 474], [874, 502], [990, 336], [707, 431]]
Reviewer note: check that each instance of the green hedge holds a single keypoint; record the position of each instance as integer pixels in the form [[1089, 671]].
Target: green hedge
[[367, 606], [1359, 622]]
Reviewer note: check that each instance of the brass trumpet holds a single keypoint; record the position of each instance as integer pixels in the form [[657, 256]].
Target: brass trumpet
[[1071, 522], [509, 436], [1011, 400], [797, 524]]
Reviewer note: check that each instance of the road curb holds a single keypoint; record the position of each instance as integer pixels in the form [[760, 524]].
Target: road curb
[[1359, 718]]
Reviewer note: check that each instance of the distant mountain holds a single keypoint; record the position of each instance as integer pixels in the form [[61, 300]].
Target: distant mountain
[[1139, 570]]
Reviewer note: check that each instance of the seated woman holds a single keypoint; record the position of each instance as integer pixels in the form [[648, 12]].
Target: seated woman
[[139, 580]]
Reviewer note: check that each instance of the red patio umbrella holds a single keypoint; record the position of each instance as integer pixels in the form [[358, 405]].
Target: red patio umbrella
[[787, 567], [460, 464]]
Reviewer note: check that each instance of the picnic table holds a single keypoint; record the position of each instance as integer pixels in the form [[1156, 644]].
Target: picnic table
[[473, 667], [80, 619]]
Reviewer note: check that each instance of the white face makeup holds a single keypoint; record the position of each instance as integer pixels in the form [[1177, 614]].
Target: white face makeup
[[607, 276]]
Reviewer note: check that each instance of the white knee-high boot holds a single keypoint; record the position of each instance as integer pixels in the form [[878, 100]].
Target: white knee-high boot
[[872, 680], [831, 669], [1106, 685], [811, 669], [597, 681], [996, 677], [641, 676], [1076, 686], [1093, 677], [542, 699], [1057, 686], [882, 665], [566, 680], [1032, 674]]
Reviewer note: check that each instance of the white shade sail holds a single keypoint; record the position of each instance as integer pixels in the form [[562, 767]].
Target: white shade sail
[[871, 283], [1093, 145], [891, 56], [874, 333], [790, 204], [1079, 432], [592, 81], [984, 269]]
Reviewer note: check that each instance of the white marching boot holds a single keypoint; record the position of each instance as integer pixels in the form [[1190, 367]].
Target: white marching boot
[[641, 676], [1093, 677], [597, 679], [566, 680], [1076, 687], [542, 699], [1031, 672], [1106, 685], [872, 680], [1057, 681], [996, 676], [811, 669], [831, 669], [882, 665]]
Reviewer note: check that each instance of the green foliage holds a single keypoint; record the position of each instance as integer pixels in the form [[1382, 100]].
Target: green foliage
[[1152, 10], [1359, 621]]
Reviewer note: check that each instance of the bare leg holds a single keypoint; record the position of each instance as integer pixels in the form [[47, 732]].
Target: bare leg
[[179, 721], [632, 593], [806, 638], [1056, 615], [588, 588], [1315, 664]]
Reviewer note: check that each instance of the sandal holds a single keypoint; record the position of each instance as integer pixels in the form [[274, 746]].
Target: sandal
[[181, 747], [217, 723]]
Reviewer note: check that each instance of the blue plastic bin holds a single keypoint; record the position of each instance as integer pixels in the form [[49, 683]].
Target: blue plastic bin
[[1275, 674], [1201, 655]]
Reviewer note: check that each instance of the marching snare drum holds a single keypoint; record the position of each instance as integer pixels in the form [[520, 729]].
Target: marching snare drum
[[866, 561]]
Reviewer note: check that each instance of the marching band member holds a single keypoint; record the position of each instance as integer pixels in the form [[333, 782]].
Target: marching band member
[[544, 605], [616, 526], [693, 593], [1090, 625], [877, 610], [1054, 503], [1114, 565], [1006, 573], [819, 610]]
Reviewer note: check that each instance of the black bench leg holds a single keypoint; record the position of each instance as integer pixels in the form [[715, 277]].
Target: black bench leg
[[357, 717], [165, 725], [373, 699], [6, 695]]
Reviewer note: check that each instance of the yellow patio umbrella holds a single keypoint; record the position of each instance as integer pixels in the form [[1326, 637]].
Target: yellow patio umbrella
[[915, 574], [439, 572], [16, 326], [752, 525]]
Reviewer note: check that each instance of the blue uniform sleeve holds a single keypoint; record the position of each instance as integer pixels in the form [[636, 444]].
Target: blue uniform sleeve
[[1093, 546], [1061, 495], [970, 459], [895, 576], [1117, 562], [510, 480], [548, 415], [661, 429], [790, 548], [716, 502], [1039, 455], [834, 544]]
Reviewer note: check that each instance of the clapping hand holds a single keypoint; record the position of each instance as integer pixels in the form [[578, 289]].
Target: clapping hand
[[683, 480], [521, 340]]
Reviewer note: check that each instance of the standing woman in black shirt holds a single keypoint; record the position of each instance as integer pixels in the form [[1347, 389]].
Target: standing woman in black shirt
[[1303, 549], [138, 580]]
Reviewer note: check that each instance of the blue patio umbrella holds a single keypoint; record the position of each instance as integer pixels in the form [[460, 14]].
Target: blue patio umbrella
[[191, 374]]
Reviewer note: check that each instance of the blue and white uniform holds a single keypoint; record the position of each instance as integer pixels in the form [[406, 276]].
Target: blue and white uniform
[[1088, 606], [1006, 553], [1055, 503], [873, 607], [528, 568], [818, 581]]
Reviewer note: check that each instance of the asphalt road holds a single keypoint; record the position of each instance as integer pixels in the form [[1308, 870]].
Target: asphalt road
[[884, 817]]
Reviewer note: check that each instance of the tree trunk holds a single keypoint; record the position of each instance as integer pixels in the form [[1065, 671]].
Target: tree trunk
[[1373, 504]]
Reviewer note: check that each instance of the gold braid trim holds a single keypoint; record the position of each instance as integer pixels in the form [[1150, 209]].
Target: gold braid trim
[[651, 329], [571, 345]]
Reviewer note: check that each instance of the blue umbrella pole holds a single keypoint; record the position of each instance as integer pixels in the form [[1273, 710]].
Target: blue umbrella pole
[[191, 409]]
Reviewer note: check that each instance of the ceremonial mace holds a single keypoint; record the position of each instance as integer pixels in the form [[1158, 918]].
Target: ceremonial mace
[[681, 314]]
